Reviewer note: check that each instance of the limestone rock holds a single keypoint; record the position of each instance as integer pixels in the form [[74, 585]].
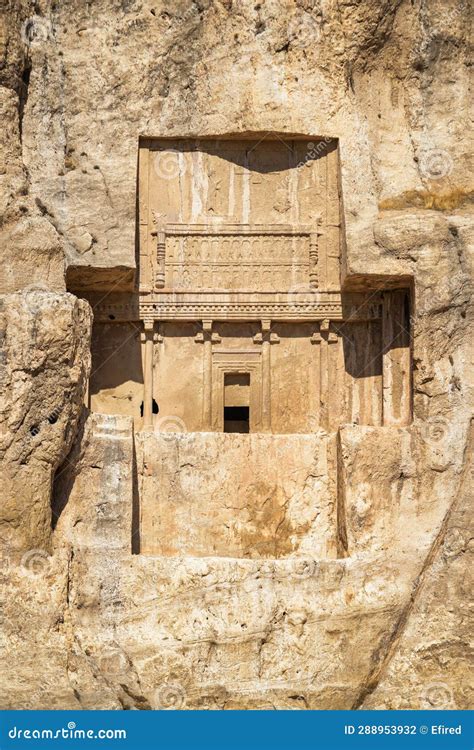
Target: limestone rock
[[44, 366], [360, 498]]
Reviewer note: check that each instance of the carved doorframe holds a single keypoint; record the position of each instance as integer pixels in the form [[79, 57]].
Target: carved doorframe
[[245, 361]]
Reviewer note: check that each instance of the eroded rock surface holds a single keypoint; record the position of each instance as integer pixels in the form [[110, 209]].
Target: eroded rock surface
[[378, 619], [45, 363]]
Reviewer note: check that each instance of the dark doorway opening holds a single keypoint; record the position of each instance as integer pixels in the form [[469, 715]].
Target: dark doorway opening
[[236, 418]]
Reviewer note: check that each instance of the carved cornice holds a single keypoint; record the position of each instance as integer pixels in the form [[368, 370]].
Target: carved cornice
[[234, 229], [239, 306], [184, 306]]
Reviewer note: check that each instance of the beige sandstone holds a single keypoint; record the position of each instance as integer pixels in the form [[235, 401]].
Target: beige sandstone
[[260, 213]]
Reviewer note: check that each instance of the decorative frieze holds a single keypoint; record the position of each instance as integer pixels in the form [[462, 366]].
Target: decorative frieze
[[297, 306], [235, 256]]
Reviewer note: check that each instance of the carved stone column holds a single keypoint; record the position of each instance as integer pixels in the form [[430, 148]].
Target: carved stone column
[[315, 381], [266, 377], [324, 374], [148, 376], [325, 339], [207, 378], [332, 394]]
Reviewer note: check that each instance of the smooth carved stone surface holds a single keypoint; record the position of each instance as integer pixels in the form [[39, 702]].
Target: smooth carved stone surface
[[253, 496], [229, 214], [253, 70]]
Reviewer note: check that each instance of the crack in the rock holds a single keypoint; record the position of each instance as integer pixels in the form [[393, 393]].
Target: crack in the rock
[[381, 666], [23, 96]]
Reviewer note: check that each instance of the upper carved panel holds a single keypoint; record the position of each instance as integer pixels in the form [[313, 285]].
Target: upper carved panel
[[243, 216], [236, 257]]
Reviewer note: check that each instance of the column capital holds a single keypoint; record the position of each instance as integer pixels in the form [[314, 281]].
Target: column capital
[[324, 325]]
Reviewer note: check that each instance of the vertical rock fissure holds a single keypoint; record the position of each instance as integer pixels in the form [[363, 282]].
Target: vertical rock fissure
[[23, 95], [382, 663]]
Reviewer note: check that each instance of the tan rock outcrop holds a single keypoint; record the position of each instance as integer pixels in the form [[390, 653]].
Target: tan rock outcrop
[[125, 584], [44, 369]]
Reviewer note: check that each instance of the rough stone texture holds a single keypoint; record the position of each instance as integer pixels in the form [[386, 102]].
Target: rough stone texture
[[155, 632], [378, 76], [79, 83], [44, 367], [432, 654]]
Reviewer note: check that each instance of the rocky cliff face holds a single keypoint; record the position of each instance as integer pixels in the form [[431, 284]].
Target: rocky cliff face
[[44, 369], [86, 623]]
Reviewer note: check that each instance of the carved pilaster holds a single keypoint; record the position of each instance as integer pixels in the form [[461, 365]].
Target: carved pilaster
[[207, 337], [396, 358], [266, 377], [332, 407], [325, 338], [147, 337], [315, 381]]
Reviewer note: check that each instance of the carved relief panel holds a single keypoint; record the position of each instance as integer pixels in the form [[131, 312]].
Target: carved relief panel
[[240, 275], [239, 217]]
